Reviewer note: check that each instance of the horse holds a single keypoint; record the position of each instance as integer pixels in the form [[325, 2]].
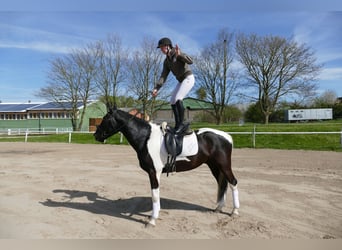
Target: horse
[[214, 149]]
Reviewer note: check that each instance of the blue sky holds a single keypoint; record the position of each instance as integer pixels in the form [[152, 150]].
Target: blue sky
[[33, 32]]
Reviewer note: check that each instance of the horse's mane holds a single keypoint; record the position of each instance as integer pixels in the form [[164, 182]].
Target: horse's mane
[[129, 116]]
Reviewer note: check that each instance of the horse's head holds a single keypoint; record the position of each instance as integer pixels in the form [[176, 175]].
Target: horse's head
[[108, 127]]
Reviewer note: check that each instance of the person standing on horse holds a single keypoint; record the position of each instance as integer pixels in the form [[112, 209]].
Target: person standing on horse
[[178, 63]]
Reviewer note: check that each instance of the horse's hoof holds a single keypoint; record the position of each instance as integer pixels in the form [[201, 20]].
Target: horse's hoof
[[217, 210], [235, 213], [149, 225]]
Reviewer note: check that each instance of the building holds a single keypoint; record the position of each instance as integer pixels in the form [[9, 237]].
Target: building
[[194, 108], [53, 116], [45, 116]]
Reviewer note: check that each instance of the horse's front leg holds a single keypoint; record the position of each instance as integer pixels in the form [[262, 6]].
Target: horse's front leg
[[154, 180], [155, 207]]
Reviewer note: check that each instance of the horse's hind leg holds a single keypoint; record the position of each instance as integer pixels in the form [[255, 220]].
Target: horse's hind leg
[[222, 185], [235, 196], [235, 193], [226, 175], [221, 192]]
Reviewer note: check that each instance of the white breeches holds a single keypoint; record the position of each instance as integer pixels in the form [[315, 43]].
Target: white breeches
[[182, 89]]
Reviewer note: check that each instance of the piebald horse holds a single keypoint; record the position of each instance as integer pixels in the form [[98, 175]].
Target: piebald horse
[[214, 149]]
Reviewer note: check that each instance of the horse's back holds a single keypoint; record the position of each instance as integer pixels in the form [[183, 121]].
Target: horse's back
[[216, 132]]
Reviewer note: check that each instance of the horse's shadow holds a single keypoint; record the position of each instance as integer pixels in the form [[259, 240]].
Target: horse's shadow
[[120, 208]]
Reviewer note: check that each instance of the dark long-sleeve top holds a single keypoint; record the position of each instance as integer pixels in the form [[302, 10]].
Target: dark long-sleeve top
[[178, 65]]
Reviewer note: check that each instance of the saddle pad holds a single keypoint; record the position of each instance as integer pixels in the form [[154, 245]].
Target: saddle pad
[[190, 146]]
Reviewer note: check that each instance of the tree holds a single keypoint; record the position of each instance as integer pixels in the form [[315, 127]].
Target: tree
[[201, 93], [214, 74], [276, 67], [253, 113], [71, 81], [337, 110], [232, 113], [111, 68], [144, 70], [326, 100]]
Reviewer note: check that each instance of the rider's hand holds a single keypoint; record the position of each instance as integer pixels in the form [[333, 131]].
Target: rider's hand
[[154, 92], [177, 50]]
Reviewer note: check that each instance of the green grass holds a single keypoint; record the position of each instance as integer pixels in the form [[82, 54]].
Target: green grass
[[82, 138], [327, 142]]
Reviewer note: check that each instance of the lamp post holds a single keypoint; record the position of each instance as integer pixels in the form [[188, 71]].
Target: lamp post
[[224, 61]]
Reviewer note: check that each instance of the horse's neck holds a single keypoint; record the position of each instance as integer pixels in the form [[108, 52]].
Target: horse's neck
[[136, 131]]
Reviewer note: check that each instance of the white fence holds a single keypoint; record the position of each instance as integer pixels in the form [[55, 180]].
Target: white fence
[[44, 131], [254, 133], [20, 132], [23, 131]]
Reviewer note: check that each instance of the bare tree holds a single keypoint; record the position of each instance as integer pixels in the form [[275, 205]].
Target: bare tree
[[214, 74], [327, 99], [276, 67], [71, 83], [144, 72], [111, 68]]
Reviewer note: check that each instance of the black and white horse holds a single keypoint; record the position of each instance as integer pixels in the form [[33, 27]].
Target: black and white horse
[[214, 149]]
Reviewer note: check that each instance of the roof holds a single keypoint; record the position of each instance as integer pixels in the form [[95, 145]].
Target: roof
[[192, 104], [14, 107], [24, 107], [56, 106]]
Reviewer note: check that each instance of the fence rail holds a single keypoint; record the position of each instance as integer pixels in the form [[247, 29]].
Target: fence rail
[[255, 133], [45, 131], [22, 131]]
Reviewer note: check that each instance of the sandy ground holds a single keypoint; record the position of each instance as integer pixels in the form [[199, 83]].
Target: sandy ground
[[58, 191]]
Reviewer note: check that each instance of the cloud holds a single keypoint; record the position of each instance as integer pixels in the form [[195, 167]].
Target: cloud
[[331, 74], [36, 39], [322, 32], [158, 25], [39, 46]]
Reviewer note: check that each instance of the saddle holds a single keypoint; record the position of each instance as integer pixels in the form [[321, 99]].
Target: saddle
[[173, 144]]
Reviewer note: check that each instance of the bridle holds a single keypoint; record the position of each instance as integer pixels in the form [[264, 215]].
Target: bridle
[[112, 119]]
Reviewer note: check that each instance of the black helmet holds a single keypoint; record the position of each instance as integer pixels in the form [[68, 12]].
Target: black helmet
[[164, 41]]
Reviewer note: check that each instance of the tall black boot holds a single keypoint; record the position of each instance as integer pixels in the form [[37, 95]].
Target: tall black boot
[[176, 115], [180, 110]]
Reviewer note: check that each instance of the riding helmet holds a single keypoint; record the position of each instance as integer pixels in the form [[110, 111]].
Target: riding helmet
[[164, 41]]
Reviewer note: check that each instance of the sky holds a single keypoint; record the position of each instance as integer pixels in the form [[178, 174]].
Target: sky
[[34, 32]]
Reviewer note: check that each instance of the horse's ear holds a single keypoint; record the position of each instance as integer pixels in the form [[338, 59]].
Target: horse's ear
[[111, 108]]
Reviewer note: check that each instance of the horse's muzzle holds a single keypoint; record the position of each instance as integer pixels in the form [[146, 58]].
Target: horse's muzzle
[[98, 137]]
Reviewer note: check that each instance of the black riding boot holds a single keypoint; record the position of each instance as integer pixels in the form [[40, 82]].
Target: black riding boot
[[176, 115], [179, 118]]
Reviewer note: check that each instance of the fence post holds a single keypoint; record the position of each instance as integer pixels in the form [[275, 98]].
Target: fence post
[[341, 139], [26, 135], [69, 137], [254, 136], [121, 138]]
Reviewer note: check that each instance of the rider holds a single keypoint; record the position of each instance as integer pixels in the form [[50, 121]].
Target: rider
[[178, 63]]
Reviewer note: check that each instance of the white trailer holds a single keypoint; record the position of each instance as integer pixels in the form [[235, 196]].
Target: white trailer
[[308, 114]]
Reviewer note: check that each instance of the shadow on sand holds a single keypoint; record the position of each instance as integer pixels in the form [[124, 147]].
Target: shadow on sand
[[120, 208]]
